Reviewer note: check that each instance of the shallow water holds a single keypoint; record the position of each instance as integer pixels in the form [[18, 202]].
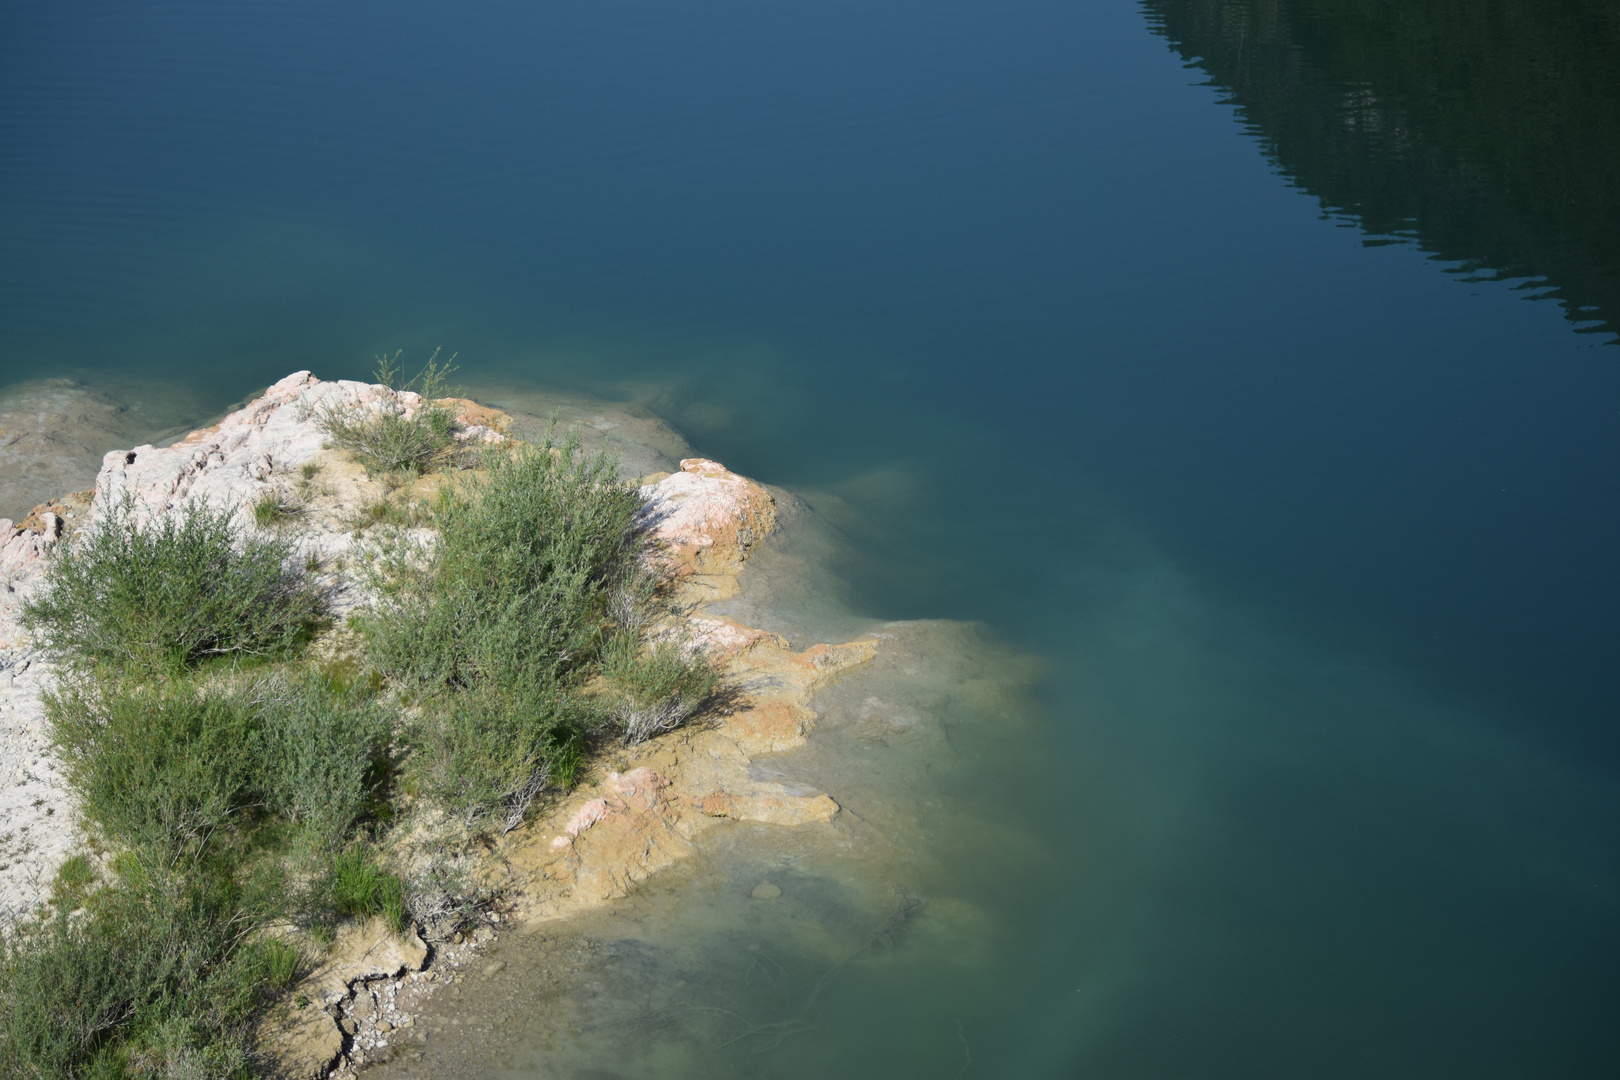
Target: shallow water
[[696, 975], [1312, 539]]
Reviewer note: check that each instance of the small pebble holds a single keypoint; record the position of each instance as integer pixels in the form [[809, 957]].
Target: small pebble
[[765, 891]]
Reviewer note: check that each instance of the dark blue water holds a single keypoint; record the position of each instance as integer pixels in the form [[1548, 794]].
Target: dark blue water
[[1316, 538]]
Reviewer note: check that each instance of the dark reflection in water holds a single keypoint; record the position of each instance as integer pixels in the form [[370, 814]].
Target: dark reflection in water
[[1488, 133]]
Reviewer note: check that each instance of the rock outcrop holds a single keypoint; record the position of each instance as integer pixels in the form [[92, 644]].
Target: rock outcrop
[[614, 830], [256, 450], [705, 519]]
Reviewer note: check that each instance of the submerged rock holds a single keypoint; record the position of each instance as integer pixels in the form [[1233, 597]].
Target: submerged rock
[[53, 433]]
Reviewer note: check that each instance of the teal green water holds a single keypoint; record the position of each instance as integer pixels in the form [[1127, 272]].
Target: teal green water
[[1312, 534]]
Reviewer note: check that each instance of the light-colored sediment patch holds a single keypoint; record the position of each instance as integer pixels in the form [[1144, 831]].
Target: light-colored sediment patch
[[54, 432], [38, 813]]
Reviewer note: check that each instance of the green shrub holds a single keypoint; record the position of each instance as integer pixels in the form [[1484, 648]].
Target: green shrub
[[165, 765], [513, 592], [160, 978], [500, 622], [158, 596], [325, 754], [534, 587], [483, 750], [390, 438], [170, 765]]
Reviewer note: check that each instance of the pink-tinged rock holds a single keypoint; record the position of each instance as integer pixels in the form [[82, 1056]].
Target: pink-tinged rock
[[703, 520], [640, 789], [725, 638], [583, 818]]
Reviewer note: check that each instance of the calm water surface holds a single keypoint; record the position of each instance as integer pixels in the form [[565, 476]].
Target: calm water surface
[[1186, 346]]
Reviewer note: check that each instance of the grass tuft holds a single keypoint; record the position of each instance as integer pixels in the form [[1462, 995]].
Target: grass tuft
[[392, 438], [273, 508], [360, 887], [385, 511], [72, 885], [281, 963]]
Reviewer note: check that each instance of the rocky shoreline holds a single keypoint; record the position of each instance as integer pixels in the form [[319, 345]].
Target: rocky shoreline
[[636, 814]]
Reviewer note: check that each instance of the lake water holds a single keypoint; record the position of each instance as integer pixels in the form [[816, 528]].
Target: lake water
[[1185, 346]]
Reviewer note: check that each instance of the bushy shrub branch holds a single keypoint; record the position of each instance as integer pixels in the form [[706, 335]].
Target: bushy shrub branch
[[656, 688], [503, 624], [156, 597], [161, 977], [169, 765]]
